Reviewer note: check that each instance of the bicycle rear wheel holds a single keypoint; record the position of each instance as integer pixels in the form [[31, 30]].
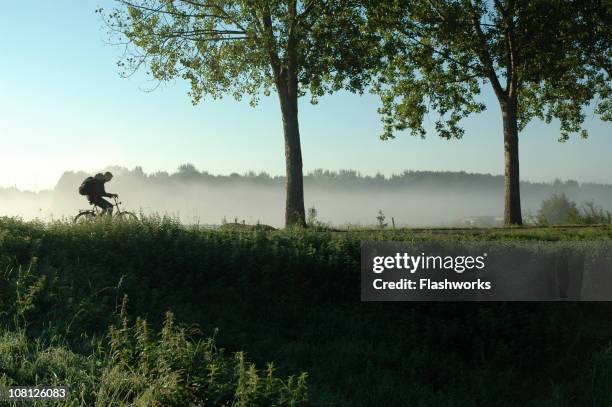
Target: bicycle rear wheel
[[129, 216], [86, 216]]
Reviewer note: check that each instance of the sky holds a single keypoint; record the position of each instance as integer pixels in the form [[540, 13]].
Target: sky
[[63, 106]]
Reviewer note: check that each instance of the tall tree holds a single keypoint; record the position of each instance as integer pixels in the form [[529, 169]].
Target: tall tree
[[249, 47], [546, 59]]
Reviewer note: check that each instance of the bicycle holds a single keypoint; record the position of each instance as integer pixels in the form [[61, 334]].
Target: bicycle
[[90, 214]]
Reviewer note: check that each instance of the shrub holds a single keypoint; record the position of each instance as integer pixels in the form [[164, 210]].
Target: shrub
[[593, 215], [559, 210], [170, 369]]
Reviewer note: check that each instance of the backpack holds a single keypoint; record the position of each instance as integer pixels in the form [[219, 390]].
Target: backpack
[[86, 186]]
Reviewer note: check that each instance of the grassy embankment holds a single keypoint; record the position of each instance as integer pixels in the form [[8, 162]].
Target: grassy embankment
[[287, 296]]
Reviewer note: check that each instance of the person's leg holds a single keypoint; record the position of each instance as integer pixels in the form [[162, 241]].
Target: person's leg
[[106, 206]]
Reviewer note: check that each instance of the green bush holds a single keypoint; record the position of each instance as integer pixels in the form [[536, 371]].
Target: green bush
[[590, 214], [559, 210]]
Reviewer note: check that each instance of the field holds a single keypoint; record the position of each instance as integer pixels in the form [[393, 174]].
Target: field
[[74, 299]]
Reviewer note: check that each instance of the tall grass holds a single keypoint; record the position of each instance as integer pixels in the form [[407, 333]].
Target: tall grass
[[44, 342], [291, 296], [142, 368]]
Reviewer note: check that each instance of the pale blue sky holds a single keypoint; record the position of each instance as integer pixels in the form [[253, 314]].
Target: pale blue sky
[[63, 106]]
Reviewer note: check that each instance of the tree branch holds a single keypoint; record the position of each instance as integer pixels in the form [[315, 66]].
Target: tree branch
[[411, 34], [172, 13], [513, 79], [270, 44], [291, 46], [308, 9], [485, 56], [215, 6]]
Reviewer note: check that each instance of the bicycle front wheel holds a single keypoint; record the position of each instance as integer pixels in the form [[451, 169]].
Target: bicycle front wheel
[[128, 216], [82, 217]]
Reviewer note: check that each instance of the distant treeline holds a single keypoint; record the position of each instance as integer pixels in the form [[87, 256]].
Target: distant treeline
[[341, 179], [341, 197]]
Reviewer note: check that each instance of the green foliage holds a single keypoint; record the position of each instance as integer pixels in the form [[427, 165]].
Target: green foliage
[[291, 296], [235, 226], [554, 55], [559, 210], [590, 214], [244, 47], [170, 369], [138, 367]]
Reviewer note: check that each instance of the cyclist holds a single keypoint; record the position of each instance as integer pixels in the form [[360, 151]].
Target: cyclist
[[93, 188]]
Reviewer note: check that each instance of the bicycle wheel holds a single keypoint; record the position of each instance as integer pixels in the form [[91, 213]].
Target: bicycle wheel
[[86, 216], [129, 216]]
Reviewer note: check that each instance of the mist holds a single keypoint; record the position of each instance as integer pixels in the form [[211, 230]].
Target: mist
[[342, 198]]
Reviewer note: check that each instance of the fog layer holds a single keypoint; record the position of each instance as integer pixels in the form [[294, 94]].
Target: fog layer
[[412, 198]]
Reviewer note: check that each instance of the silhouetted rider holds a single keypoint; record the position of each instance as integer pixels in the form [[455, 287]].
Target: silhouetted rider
[[93, 188]]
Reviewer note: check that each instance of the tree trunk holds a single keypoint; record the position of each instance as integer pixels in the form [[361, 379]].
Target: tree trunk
[[512, 194], [294, 204]]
